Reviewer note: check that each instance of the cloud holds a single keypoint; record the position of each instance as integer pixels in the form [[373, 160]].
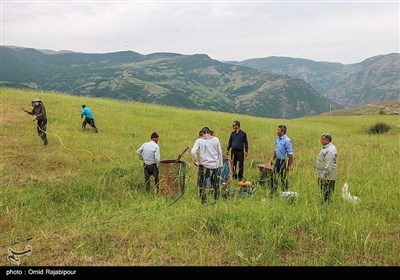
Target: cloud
[[345, 32]]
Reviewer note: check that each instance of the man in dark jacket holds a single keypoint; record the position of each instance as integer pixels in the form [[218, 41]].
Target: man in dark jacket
[[39, 113], [240, 148]]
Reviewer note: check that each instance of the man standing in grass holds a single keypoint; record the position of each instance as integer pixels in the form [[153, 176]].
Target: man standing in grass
[[326, 167], [210, 162], [89, 118], [240, 148], [283, 156], [39, 113], [149, 152]]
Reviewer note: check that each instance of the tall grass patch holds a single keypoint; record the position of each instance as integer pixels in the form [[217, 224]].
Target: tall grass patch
[[81, 200]]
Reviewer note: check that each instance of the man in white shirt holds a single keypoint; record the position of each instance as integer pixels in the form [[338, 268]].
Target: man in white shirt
[[210, 161], [149, 152]]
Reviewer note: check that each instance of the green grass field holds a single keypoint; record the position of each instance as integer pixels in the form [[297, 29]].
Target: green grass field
[[80, 201]]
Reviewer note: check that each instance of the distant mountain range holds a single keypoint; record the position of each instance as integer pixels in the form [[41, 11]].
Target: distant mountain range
[[374, 79], [199, 82]]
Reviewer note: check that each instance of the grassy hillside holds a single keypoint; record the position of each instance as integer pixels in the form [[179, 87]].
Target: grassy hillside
[[391, 107], [81, 199]]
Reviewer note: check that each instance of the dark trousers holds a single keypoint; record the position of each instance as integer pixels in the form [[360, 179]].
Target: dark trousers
[[151, 170], [90, 122], [327, 189], [41, 130], [238, 156], [203, 175], [280, 170]]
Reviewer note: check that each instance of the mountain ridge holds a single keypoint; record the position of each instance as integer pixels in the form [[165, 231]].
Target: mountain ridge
[[189, 81], [267, 87], [350, 85]]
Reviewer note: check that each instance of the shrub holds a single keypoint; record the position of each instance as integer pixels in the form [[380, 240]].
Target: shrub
[[378, 128]]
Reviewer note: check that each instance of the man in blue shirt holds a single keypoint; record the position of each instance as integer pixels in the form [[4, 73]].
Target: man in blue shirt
[[283, 156], [240, 148], [89, 118]]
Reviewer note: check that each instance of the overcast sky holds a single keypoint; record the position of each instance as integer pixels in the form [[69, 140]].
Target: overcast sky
[[332, 31]]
